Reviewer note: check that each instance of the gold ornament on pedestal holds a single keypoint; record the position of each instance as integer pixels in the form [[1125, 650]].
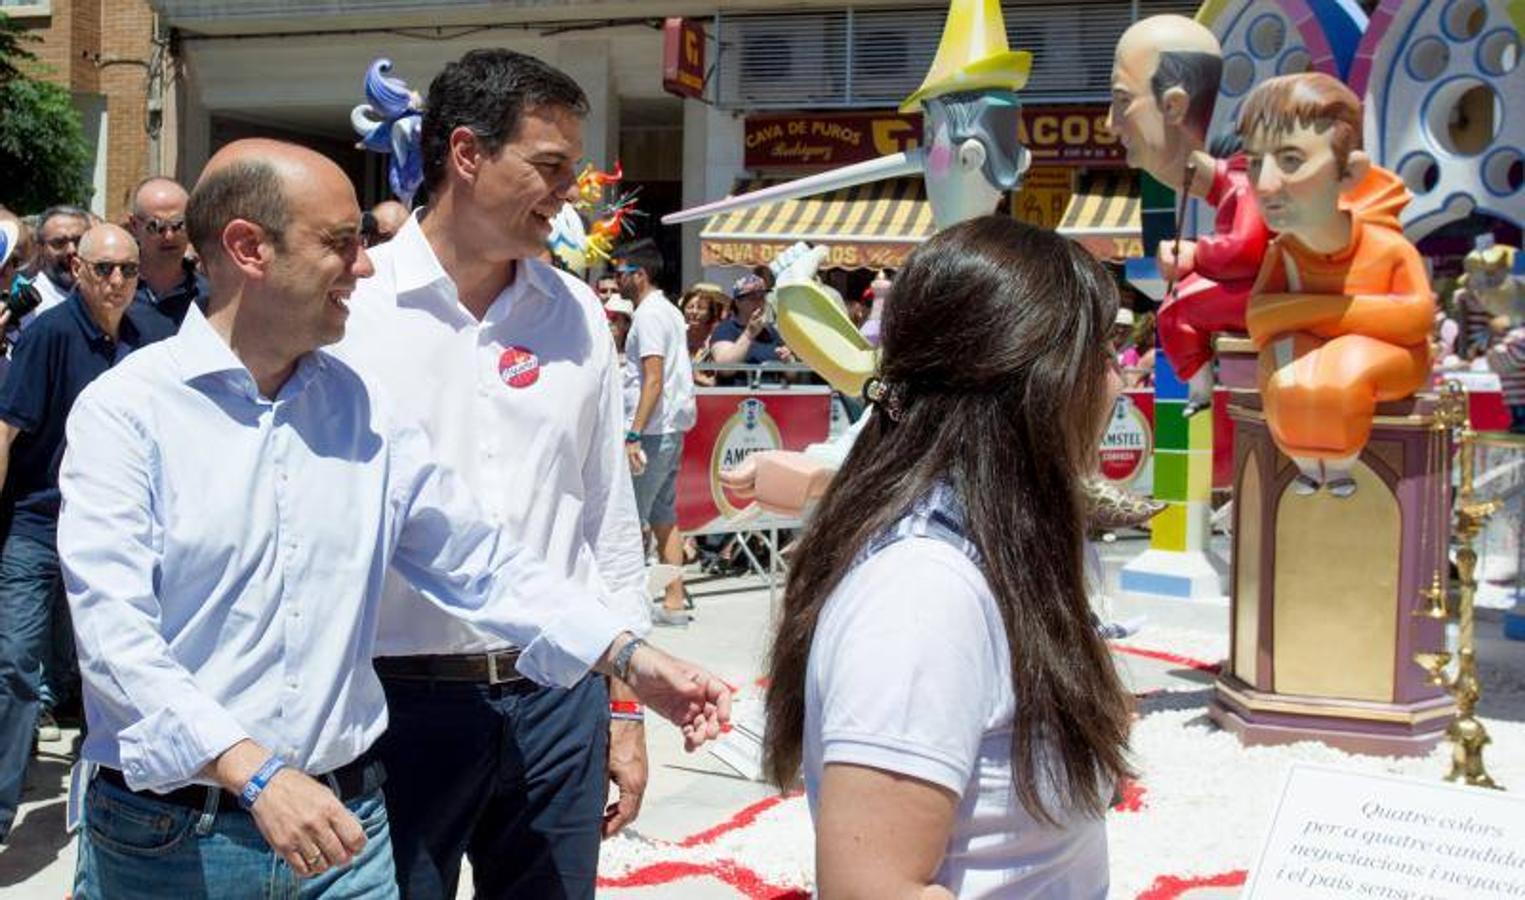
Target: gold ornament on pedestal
[[1466, 734]]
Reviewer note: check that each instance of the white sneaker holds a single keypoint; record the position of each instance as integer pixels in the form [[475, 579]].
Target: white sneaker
[[663, 617]]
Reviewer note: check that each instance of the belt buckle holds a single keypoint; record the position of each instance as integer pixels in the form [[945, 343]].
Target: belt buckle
[[493, 675]]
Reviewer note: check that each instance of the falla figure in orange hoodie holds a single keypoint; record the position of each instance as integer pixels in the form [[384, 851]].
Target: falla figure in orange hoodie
[[1341, 311]]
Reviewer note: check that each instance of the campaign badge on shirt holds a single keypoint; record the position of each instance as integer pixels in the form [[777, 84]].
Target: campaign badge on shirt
[[518, 367]]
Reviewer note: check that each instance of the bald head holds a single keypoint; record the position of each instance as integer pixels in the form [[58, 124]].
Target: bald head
[[108, 242], [159, 196], [106, 273], [254, 180], [1168, 34], [1175, 55], [390, 217]]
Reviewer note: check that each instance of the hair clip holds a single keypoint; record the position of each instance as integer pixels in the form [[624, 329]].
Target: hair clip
[[888, 394]]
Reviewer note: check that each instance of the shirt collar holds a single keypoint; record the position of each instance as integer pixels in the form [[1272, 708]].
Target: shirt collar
[[418, 270], [82, 315], [201, 351], [413, 259], [126, 329], [186, 285]]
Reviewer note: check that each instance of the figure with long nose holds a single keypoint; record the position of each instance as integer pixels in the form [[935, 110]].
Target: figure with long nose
[[969, 158]]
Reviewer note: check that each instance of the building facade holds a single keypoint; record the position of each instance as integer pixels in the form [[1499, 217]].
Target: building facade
[[106, 53], [216, 70]]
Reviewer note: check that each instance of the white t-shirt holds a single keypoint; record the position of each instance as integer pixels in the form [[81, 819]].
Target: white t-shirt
[[658, 329], [630, 387], [909, 672]]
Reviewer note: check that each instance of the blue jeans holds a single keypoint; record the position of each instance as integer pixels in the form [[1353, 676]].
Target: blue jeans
[[512, 776], [29, 595], [134, 847]]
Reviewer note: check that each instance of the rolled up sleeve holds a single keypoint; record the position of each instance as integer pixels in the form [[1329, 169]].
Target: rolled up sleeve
[[481, 575], [168, 729]]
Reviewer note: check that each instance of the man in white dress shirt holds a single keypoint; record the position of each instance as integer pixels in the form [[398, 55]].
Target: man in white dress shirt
[[232, 499], [509, 365]]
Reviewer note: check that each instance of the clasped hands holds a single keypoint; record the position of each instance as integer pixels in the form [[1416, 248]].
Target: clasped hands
[[308, 826]]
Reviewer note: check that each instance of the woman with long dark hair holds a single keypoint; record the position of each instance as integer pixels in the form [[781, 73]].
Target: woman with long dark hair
[[936, 668]]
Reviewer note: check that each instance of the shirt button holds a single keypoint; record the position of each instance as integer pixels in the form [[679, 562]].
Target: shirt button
[[295, 613], [292, 682]]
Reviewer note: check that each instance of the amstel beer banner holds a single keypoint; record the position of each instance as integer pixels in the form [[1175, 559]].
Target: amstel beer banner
[[1127, 449], [733, 424]]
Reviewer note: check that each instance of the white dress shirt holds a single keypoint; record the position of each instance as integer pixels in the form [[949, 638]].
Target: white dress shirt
[[224, 556], [659, 329], [524, 404], [51, 295]]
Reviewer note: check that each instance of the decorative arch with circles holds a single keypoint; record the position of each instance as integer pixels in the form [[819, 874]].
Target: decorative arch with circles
[[1265, 38], [1444, 88]]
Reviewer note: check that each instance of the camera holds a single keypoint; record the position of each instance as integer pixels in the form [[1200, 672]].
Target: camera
[[21, 299]]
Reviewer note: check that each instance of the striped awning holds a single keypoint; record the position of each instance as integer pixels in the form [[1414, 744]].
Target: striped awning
[[1103, 215], [870, 226]]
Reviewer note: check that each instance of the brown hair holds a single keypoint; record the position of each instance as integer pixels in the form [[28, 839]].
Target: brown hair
[[1311, 100], [1142, 336], [997, 337], [715, 302]]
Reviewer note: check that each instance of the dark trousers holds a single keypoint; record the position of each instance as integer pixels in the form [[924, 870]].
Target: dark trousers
[[29, 589], [512, 776]]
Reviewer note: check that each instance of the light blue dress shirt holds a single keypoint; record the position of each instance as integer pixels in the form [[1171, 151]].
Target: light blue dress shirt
[[224, 556]]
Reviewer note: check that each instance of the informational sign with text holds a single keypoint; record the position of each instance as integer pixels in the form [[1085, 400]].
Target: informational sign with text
[[1349, 834]]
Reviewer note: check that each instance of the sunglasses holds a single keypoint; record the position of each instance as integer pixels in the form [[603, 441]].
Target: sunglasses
[[627, 269], [159, 226], [104, 269], [63, 240]]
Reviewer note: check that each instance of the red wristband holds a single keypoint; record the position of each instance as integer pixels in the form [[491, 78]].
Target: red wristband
[[626, 706]]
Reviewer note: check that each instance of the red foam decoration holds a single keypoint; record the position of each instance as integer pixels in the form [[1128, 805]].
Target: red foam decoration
[[1165, 656], [1170, 887]]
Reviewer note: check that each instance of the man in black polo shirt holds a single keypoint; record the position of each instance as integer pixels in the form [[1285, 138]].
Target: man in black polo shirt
[[64, 349], [168, 280]]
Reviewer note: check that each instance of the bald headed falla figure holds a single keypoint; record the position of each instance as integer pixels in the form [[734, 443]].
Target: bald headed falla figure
[[1164, 85], [63, 350], [169, 281], [233, 499]]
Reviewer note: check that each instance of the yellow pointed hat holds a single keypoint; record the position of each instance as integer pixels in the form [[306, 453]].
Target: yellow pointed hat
[[973, 55]]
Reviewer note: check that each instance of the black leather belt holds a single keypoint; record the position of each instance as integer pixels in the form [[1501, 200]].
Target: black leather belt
[[496, 667], [349, 781]]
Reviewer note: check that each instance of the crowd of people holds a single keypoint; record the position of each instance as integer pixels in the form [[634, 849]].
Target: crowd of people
[[347, 518], [315, 532]]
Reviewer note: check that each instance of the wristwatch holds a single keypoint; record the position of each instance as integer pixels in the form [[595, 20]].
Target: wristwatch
[[632, 437], [622, 659]]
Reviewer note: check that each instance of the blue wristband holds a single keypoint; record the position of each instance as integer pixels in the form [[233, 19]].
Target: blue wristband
[[259, 781]]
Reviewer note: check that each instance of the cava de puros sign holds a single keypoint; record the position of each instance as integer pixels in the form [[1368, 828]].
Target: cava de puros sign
[[1055, 135]]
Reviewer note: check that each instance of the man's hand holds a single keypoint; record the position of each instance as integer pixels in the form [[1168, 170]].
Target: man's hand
[[784, 354], [306, 824], [684, 694], [636, 457], [756, 321], [300, 819], [628, 772]]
